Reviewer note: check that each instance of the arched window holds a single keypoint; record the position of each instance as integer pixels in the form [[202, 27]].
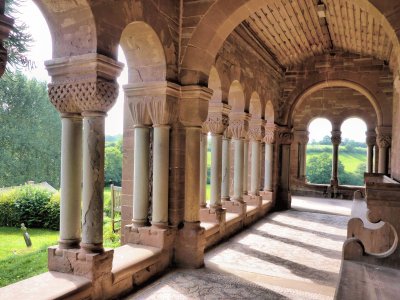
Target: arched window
[[319, 152], [352, 152]]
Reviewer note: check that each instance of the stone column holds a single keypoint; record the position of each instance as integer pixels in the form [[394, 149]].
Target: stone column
[[269, 154], [284, 198], [336, 140], [238, 126], [193, 107], [255, 134], [376, 162], [370, 141], [245, 165], [203, 167], [302, 138], [71, 181], [384, 141], [225, 166]]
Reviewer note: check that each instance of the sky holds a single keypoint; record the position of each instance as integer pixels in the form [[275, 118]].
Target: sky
[[42, 48]]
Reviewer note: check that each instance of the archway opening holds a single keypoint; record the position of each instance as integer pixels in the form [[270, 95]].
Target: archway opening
[[352, 152], [319, 152]]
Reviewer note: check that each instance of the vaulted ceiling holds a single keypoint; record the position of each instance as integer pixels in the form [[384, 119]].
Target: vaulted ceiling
[[294, 30]]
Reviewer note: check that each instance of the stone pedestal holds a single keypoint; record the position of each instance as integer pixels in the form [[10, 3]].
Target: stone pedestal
[[189, 248], [94, 266], [162, 238], [235, 207]]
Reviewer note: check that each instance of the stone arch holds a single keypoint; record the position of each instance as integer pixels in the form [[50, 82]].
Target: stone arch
[[236, 97], [144, 53], [269, 112], [212, 31], [362, 118], [214, 83], [319, 117], [301, 96], [72, 26], [255, 106]]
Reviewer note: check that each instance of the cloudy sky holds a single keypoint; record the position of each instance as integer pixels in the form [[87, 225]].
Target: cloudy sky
[[41, 51]]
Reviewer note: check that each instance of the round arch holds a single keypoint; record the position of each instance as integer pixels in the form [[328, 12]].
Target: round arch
[[269, 112], [335, 83], [144, 53], [236, 97], [255, 106], [207, 39], [214, 83]]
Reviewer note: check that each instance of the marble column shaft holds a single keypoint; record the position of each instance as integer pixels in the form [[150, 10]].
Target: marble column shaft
[[336, 140], [238, 170], [216, 170], [269, 150], [93, 181], [71, 181], [141, 175], [225, 169], [255, 167], [370, 158], [302, 160], [160, 175], [203, 169], [245, 166]]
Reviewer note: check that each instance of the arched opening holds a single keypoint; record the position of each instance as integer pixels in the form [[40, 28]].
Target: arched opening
[[352, 152], [269, 112], [255, 106], [236, 97], [214, 83], [319, 152]]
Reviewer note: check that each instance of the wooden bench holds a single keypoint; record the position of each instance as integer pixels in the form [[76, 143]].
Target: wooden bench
[[371, 254]]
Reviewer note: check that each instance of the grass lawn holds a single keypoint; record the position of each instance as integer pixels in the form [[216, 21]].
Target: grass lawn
[[350, 161], [18, 262]]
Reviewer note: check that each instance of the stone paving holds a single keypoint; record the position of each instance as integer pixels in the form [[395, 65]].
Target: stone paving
[[288, 255]]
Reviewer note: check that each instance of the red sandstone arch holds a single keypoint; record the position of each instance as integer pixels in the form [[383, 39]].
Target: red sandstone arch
[[72, 26], [255, 106], [224, 15], [144, 53], [214, 83], [236, 97], [269, 112], [308, 90]]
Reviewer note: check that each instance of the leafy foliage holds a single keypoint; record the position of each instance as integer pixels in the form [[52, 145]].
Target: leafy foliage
[[30, 135], [34, 206], [113, 162]]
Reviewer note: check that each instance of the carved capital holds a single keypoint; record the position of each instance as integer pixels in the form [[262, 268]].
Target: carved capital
[[238, 125], [270, 130], [256, 130], [336, 137], [139, 112], [285, 136], [162, 110], [384, 141], [217, 123], [370, 138], [302, 136]]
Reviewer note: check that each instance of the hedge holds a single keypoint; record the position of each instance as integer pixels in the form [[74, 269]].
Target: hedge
[[36, 207]]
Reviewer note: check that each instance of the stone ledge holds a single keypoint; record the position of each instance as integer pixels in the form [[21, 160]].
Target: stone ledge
[[49, 285], [211, 228], [251, 210], [130, 259]]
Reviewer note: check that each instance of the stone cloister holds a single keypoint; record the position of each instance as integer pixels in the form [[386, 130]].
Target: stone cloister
[[251, 74]]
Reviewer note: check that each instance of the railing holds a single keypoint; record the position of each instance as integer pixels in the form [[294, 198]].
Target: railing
[[115, 204]]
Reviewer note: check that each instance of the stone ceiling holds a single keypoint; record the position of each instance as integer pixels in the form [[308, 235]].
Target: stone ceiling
[[296, 30]]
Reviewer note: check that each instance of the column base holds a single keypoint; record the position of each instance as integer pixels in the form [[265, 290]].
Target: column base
[[94, 266], [213, 215], [235, 206], [149, 236], [90, 249], [266, 195], [253, 200], [69, 244], [190, 244]]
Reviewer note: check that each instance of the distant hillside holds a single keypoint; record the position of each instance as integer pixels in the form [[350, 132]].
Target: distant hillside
[[113, 138]]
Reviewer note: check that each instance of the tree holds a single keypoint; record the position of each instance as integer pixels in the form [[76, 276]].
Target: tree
[[319, 168], [113, 162], [326, 140], [19, 40], [30, 132]]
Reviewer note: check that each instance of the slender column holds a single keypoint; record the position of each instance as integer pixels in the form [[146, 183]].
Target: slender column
[[216, 168], [141, 176], [376, 162], [269, 151], [71, 181], [245, 166], [284, 197], [370, 141], [255, 167], [203, 169], [93, 181], [238, 169], [225, 167], [384, 141], [160, 175], [302, 137], [336, 140]]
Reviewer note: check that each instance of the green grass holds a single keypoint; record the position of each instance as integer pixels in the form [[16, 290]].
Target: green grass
[[350, 161]]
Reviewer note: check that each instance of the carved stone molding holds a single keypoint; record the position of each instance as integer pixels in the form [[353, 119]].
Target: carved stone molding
[[285, 136], [139, 112], [163, 110], [302, 136], [336, 137], [217, 123], [238, 125]]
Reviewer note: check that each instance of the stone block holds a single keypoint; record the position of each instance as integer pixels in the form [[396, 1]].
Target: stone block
[[190, 245]]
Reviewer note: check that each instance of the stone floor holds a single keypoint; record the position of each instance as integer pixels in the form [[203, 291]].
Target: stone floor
[[288, 255]]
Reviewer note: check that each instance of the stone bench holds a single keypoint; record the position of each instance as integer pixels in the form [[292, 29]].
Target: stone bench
[[49, 285], [371, 254]]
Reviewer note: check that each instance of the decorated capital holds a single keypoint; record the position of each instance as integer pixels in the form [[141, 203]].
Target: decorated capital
[[336, 137]]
